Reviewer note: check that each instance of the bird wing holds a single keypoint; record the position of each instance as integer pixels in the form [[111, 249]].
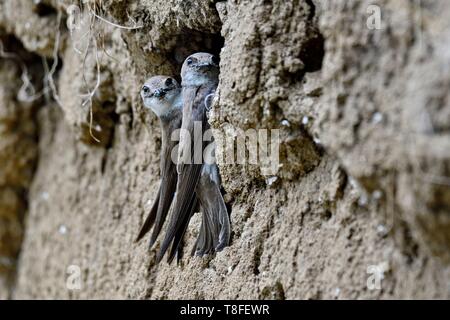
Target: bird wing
[[150, 220], [168, 187], [215, 231], [178, 238], [168, 184], [187, 128]]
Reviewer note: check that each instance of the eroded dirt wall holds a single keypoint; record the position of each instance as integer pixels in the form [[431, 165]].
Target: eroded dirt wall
[[362, 193]]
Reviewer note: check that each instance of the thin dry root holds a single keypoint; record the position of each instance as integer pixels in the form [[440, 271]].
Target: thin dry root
[[27, 92], [93, 39]]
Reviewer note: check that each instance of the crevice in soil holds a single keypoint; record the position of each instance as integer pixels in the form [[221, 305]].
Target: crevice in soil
[[21, 127], [190, 41]]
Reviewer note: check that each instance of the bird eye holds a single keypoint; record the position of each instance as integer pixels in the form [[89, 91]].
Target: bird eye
[[145, 89], [215, 60], [169, 82], [189, 61]]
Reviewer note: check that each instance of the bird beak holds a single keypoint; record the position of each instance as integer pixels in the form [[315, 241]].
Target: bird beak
[[204, 65], [160, 93]]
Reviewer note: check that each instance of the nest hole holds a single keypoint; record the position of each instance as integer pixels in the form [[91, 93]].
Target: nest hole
[[190, 41]]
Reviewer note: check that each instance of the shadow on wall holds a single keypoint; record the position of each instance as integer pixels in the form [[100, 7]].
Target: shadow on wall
[[190, 41], [21, 74]]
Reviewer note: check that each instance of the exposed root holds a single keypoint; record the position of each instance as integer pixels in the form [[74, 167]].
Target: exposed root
[[92, 11], [27, 92], [50, 73], [115, 24], [91, 93], [93, 38]]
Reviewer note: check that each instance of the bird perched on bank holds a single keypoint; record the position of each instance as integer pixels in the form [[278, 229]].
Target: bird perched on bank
[[162, 95], [197, 179]]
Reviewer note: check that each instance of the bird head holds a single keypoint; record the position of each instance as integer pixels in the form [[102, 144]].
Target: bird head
[[199, 69], [160, 94]]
